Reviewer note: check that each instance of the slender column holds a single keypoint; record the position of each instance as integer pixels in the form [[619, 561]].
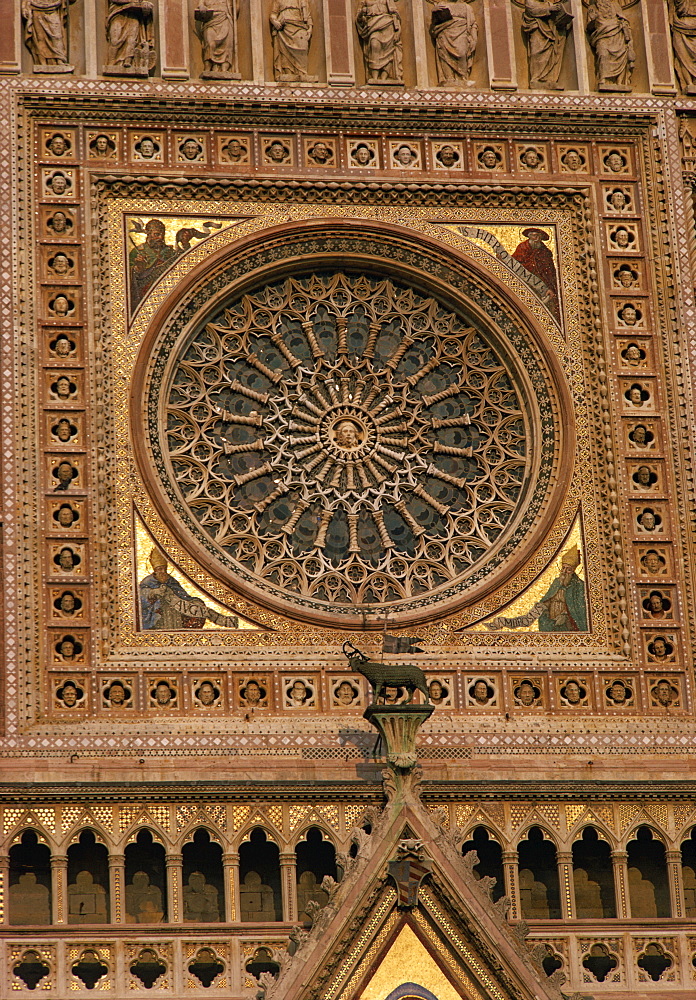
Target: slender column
[[117, 879], [230, 867], [10, 37], [175, 876], [564, 860], [420, 41], [59, 888], [4, 888], [174, 39], [258, 68], [93, 29], [676, 882], [500, 46], [288, 875], [338, 43], [512, 884], [578, 40], [623, 905], [658, 46]]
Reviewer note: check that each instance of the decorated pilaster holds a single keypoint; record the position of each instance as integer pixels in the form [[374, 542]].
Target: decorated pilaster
[[4, 888], [59, 883], [676, 884], [565, 882], [175, 875], [619, 860], [512, 887], [288, 874], [230, 867], [117, 878]]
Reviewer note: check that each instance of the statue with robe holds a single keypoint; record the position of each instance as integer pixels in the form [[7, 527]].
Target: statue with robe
[[130, 38], [683, 22], [611, 40], [216, 26], [46, 34], [545, 28], [378, 24], [291, 32], [454, 31]]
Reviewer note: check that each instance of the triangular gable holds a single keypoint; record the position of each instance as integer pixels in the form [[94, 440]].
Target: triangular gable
[[461, 930], [408, 970]]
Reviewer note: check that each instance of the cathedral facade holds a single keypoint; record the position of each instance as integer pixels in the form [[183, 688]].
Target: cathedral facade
[[348, 502]]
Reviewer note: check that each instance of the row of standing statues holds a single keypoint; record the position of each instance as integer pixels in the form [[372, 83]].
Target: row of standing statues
[[453, 29]]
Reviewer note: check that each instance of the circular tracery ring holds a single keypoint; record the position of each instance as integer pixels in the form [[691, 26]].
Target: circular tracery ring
[[346, 442]]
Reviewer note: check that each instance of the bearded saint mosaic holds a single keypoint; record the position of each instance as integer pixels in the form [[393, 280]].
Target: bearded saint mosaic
[[155, 245]]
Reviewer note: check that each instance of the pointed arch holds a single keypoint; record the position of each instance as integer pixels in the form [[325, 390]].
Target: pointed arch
[[158, 833], [588, 820], [29, 822], [301, 834], [102, 836], [258, 821], [188, 833]]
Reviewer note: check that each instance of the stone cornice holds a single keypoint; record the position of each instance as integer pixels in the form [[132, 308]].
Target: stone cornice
[[367, 792]]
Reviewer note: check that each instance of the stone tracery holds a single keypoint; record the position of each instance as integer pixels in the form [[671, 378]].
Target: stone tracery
[[347, 440]]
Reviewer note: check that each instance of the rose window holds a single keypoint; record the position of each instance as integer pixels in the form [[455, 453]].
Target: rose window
[[344, 446]]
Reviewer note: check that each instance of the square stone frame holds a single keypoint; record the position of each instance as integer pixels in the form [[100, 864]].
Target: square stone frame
[[27, 643], [122, 348]]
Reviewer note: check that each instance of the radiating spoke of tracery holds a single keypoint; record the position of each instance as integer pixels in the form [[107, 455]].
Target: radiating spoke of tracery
[[347, 439]]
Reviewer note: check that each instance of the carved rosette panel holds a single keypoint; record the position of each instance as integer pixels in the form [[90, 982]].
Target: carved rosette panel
[[347, 442]]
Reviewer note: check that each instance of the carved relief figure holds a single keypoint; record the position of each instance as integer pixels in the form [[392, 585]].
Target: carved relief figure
[[454, 31], [610, 38], [291, 32], [545, 27], [130, 38], [46, 34], [164, 604], [216, 26], [683, 20], [378, 23]]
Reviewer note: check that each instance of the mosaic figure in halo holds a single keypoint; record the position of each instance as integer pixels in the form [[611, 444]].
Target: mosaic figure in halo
[[149, 260], [563, 607], [164, 604], [533, 254]]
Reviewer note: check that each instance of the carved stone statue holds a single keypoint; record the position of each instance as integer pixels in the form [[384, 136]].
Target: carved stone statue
[[610, 38], [216, 26], [683, 18], [130, 38], [291, 31], [46, 34], [378, 23], [454, 31], [545, 28]]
